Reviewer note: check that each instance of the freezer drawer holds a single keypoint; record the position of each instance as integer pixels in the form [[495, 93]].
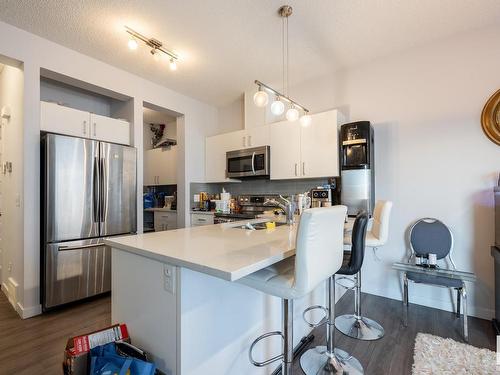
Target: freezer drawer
[[76, 270]]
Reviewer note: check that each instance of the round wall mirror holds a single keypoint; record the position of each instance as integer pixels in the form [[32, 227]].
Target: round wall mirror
[[490, 118]]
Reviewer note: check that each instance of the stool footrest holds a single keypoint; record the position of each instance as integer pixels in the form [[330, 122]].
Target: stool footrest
[[270, 360], [315, 307], [345, 278]]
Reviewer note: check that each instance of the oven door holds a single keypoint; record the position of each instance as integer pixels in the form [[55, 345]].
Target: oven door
[[250, 162]]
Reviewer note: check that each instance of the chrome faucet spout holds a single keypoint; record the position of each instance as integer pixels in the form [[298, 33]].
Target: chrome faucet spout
[[287, 206]]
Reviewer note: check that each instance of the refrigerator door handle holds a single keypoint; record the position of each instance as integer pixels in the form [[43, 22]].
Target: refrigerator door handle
[[103, 177], [96, 193], [79, 247]]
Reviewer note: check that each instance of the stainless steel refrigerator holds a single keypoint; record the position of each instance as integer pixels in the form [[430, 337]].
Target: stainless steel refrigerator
[[88, 193]]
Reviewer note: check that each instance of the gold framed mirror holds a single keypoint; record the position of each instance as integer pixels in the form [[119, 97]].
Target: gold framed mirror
[[490, 118]]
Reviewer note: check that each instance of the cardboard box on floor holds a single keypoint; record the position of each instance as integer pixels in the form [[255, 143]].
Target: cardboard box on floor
[[77, 352]]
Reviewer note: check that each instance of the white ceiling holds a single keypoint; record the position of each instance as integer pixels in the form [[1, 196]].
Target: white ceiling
[[226, 44]]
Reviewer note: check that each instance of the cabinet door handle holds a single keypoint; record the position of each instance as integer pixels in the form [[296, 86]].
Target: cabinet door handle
[[304, 168], [244, 141], [95, 126], [202, 219], [295, 169], [85, 128], [250, 140]]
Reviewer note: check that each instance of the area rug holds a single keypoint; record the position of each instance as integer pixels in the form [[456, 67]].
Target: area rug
[[436, 355]]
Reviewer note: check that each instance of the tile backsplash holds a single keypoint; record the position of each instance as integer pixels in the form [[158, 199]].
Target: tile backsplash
[[285, 187]]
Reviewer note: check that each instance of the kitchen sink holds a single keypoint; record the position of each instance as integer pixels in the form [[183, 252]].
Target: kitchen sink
[[256, 226]]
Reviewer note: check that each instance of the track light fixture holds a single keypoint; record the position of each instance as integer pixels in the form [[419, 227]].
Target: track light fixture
[[157, 49]]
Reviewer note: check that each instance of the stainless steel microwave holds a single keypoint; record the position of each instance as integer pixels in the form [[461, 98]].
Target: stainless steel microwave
[[248, 163]]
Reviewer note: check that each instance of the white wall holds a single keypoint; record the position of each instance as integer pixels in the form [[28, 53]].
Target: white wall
[[432, 158], [11, 149], [36, 53]]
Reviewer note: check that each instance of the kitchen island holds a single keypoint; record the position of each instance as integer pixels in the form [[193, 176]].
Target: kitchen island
[[178, 293]]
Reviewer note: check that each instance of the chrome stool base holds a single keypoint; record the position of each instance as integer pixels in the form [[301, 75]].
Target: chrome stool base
[[360, 328], [318, 361]]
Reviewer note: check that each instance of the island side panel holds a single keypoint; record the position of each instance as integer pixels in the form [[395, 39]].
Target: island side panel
[[220, 319], [143, 298]]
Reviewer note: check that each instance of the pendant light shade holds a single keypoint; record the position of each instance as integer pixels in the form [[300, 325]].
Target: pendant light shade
[[277, 108], [292, 114], [305, 120], [261, 98]]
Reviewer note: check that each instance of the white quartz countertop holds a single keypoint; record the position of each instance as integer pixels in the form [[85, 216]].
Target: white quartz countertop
[[218, 250]]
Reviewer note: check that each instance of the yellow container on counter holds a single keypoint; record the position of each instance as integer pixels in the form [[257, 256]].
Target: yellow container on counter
[[270, 225]]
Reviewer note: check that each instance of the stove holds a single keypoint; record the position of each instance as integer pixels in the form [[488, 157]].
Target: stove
[[251, 207]]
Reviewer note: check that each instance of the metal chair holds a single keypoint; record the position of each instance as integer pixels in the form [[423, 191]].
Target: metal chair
[[318, 255], [355, 325], [328, 359], [431, 236]]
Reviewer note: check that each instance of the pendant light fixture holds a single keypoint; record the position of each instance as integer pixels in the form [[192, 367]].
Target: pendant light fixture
[[261, 97]]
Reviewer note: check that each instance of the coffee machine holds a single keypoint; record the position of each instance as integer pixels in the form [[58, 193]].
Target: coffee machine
[[321, 198], [357, 167]]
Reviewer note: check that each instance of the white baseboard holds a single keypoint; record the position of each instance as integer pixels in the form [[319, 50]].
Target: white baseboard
[[28, 312], [11, 289]]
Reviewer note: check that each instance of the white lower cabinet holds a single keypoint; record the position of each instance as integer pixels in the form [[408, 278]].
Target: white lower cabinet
[[165, 220], [201, 219]]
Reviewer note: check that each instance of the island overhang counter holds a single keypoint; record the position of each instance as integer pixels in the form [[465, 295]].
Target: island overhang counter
[[177, 291]]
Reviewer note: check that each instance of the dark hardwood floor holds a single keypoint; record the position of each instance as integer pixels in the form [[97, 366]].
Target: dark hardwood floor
[[35, 346], [393, 354]]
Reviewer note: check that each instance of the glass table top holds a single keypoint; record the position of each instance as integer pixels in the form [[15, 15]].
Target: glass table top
[[442, 272]]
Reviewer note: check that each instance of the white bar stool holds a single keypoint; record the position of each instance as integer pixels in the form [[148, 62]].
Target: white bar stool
[[328, 359], [318, 255], [355, 325]]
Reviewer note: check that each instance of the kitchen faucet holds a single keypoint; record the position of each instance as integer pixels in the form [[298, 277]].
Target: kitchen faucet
[[288, 207]]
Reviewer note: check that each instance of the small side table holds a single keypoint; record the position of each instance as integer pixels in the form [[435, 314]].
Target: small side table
[[437, 272]]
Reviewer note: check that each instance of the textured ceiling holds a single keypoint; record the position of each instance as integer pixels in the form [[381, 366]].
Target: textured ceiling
[[226, 44]]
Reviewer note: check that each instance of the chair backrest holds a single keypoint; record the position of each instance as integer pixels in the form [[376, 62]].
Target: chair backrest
[[381, 215], [430, 235], [319, 246], [357, 245]]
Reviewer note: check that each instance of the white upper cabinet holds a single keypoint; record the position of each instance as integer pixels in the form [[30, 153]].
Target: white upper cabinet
[[160, 166], [305, 152], [215, 154], [59, 119], [56, 118], [284, 139], [254, 137], [109, 129], [319, 146]]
